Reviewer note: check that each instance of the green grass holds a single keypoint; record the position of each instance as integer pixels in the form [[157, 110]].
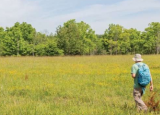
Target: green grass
[[87, 85]]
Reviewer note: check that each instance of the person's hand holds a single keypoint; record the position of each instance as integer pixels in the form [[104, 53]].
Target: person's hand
[[151, 88]]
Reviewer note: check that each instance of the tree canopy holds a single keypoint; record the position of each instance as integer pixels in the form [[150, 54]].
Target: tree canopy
[[78, 38]]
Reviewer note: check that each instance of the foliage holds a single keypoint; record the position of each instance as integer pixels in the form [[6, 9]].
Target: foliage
[[112, 38], [152, 38], [152, 104], [74, 38], [49, 48]]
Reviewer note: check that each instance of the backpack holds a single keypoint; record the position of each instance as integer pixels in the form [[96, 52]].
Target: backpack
[[144, 76]]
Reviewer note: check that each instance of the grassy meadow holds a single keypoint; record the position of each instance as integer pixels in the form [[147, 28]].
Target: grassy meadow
[[87, 85]]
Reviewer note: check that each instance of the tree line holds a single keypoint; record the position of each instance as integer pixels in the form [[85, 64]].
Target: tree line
[[74, 38]]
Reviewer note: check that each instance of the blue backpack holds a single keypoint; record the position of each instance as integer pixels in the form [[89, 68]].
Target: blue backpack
[[144, 76]]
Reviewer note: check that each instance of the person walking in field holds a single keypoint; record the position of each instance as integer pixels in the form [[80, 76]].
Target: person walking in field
[[142, 77]]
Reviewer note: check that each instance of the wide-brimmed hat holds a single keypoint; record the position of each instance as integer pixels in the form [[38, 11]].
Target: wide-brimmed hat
[[137, 57]]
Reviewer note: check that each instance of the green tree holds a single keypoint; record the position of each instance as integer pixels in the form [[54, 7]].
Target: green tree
[[99, 45], [48, 48], [76, 38], [136, 42], [29, 36], [18, 39], [28, 32], [124, 43], [153, 36], [111, 38], [9, 45], [39, 38], [2, 34]]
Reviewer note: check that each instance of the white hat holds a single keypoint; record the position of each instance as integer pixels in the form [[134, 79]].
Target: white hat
[[137, 57]]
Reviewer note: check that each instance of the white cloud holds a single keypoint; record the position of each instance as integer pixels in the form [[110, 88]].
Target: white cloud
[[128, 13], [12, 11]]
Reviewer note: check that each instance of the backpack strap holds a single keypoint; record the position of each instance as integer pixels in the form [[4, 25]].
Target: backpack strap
[[138, 65]]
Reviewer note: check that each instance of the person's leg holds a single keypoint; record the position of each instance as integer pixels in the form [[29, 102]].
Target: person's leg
[[137, 94]]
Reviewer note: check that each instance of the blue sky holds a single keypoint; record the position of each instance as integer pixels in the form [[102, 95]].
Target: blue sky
[[49, 14]]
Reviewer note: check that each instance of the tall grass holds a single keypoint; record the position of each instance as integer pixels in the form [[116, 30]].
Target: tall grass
[[87, 85]]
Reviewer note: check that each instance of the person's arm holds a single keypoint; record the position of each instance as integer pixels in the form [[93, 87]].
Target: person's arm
[[151, 84], [133, 71], [133, 75]]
